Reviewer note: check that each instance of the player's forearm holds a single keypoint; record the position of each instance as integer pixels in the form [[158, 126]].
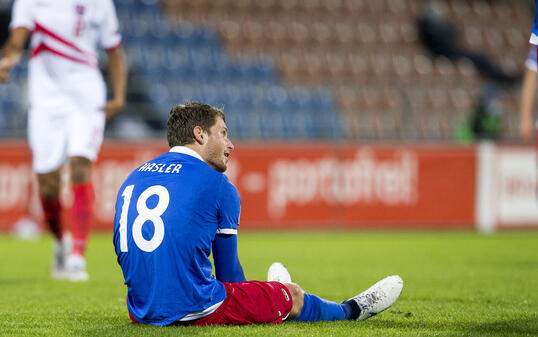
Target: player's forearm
[[227, 265], [527, 94], [232, 273], [11, 56], [14, 47], [118, 73]]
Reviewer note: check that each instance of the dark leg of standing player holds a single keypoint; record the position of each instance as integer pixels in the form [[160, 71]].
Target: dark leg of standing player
[[49, 193], [82, 202]]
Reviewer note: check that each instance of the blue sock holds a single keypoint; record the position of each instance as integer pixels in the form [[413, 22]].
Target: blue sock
[[317, 309]]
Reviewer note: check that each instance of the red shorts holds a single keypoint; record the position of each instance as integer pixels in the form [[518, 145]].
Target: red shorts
[[249, 302]]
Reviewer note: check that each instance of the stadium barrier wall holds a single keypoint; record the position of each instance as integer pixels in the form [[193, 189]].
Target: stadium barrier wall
[[506, 189], [323, 185]]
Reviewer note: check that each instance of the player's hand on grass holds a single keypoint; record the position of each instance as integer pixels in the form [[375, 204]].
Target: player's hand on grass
[[114, 106]]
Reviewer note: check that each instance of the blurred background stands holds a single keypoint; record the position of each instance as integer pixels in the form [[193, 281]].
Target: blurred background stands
[[304, 69]]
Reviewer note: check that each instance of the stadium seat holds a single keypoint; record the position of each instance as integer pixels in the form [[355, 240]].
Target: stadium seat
[[300, 125], [273, 125], [272, 53]]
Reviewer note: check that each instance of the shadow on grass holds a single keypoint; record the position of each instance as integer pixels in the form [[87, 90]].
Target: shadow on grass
[[133, 330], [511, 327], [405, 325]]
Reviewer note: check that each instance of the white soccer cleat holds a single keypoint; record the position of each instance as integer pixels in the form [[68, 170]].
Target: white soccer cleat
[[277, 272], [76, 268], [59, 259], [57, 270], [378, 297]]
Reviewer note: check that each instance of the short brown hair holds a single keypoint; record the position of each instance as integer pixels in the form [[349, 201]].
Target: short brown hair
[[185, 117]]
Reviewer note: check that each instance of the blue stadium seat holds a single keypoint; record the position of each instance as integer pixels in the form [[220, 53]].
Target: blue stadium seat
[[237, 96], [132, 26], [257, 95], [253, 125], [205, 37], [193, 37], [184, 34], [149, 14], [322, 99], [235, 123], [127, 4], [328, 125], [159, 93], [187, 63], [209, 93], [153, 57], [176, 57], [301, 125], [299, 100], [264, 72], [133, 53], [276, 97], [17, 114], [20, 72], [273, 125]]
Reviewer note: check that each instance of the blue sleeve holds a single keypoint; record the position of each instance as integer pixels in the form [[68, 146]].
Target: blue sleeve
[[229, 207], [534, 33], [227, 266]]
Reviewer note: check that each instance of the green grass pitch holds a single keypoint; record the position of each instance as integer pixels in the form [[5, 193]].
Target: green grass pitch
[[455, 284]]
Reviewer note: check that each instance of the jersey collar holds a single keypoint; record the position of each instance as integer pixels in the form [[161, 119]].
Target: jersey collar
[[187, 151]]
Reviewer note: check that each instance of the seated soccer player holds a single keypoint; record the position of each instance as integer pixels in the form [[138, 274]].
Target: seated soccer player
[[175, 210]]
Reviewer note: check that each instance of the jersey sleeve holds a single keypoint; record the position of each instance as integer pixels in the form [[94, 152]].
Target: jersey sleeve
[[110, 35], [534, 33], [530, 62], [21, 15], [229, 207]]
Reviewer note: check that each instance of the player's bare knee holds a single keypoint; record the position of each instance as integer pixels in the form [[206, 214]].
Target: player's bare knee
[[49, 184], [80, 169], [297, 294], [295, 290]]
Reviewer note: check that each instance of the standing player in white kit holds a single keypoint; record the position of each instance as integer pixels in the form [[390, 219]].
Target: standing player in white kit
[[68, 105], [528, 126]]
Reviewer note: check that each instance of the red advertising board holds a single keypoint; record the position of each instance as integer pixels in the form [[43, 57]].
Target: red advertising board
[[324, 185], [328, 185]]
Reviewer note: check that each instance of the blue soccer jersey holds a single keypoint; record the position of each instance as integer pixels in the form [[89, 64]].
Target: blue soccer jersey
[[534, 34], [168, 212]]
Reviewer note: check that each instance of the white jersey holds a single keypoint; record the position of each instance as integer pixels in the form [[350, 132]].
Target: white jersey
[[66, 35]]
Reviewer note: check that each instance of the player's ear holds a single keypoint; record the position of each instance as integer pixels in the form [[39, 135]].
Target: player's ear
[[199, 135]]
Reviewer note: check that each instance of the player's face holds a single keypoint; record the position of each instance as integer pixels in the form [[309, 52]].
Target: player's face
[[218, 146]]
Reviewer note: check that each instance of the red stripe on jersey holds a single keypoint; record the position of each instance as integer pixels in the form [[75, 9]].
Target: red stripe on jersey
[[90, 58], [40, 28], [44, 48]]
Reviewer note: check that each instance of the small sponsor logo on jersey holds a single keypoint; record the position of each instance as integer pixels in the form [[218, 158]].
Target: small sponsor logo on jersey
[[285, 294]]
